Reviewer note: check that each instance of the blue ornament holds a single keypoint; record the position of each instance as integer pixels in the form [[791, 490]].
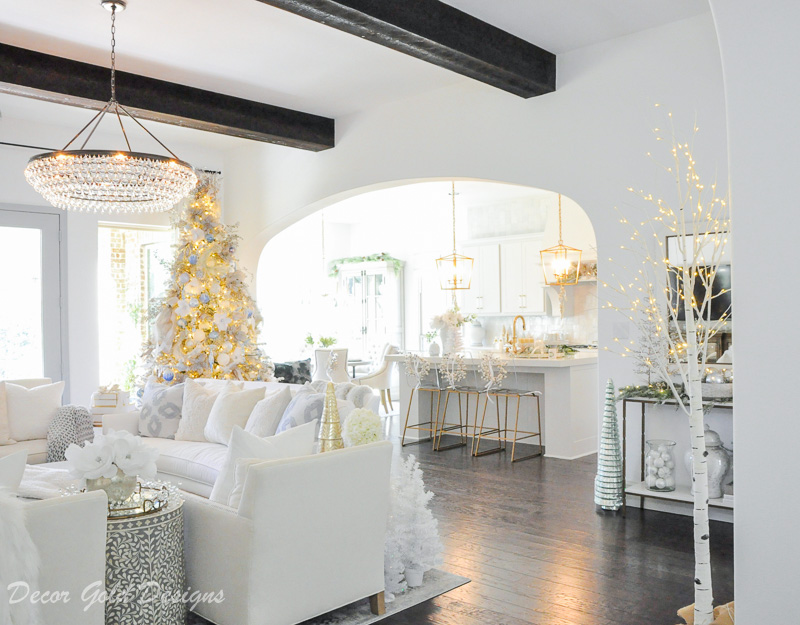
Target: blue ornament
[[204, 298], [213, 335], [184, 278], [200, 274], [182, 322], [249, 313], [210, 238], [140, 392], [194, 303], [168, 376], [231, 249], [192, 259]]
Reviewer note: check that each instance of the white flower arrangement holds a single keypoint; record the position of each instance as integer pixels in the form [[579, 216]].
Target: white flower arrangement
[[112, 452], [452, 318], [361, 427]]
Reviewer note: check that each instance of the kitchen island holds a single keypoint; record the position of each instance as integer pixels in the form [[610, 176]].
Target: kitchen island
[[569, 399]]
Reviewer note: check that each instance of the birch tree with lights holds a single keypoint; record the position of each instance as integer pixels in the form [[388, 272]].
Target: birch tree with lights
[[668, 297]]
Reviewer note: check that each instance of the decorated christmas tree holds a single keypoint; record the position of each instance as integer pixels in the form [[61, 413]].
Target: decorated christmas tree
[[609, 483], [207, 323]]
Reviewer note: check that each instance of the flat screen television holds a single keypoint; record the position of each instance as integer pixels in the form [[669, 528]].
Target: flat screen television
[[720, 304]]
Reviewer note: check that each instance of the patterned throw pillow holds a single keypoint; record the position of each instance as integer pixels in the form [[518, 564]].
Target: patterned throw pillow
[[295, 372], [71, 425], [307, 406], [161, 410]]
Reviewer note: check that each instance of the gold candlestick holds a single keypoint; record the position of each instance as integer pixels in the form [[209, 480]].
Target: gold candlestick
[[330, 430]]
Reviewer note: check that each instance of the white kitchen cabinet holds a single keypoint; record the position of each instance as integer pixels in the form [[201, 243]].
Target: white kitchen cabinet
[[483, 296], [521, 279]]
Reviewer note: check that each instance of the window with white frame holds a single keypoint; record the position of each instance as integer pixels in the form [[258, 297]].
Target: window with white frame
[[132, 270]]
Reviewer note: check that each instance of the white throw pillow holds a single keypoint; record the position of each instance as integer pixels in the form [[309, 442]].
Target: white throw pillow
[[306, 407], [198, 400], [267, 413], [296, 442], [30, 410], [5, 439], [232, 408], [12, 467]]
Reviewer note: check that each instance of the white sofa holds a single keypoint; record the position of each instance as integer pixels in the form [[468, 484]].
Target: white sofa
[[37, 449], [193, 466], [307, 538]]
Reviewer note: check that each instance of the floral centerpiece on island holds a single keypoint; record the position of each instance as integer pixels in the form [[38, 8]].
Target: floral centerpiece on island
[[112, 462], [449, 325]]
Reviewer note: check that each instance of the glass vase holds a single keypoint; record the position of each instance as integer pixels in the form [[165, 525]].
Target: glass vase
[[659, 465], [119, 488]]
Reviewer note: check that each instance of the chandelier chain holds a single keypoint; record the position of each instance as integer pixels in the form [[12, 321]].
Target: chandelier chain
[[113, 53], [454, 215], [560, 239]]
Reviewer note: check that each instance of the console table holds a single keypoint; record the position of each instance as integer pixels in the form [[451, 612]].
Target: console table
[[681, 493], [145, 573]]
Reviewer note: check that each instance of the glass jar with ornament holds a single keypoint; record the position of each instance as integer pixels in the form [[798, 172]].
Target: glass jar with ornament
[[659, 465]]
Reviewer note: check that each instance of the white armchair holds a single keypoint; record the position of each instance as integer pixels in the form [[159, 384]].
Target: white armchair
[[324, 370], [381, 378], [70, 535], [307, 538]]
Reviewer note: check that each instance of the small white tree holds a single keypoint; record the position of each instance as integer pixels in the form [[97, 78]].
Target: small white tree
[[665, 286], [412, 536]]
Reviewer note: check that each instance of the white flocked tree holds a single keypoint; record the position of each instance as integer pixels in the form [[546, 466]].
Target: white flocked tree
[[682, 243]]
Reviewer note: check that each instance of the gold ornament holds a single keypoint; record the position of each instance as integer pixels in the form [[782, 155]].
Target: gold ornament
[[330, 430]]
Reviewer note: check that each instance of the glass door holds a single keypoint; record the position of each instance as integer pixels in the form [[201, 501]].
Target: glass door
[[30, 311]]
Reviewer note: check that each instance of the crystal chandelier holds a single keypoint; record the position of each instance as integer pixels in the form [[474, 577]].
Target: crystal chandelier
[[561, 263], [455, 270], [112, 181]]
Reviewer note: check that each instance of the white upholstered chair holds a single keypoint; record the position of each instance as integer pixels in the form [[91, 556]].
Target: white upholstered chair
[[69, 534], [333, 372], [307, 538], [381, 378]]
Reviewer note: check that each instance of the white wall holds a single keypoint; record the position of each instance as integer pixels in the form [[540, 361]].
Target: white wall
[[760, 52], [587, 140], [81, 238]]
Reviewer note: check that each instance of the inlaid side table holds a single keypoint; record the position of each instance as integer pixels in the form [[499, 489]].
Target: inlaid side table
[[145, 571]]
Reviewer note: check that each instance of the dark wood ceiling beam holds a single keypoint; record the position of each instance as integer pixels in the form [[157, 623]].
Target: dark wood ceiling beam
[[54, 79], [440, 34]]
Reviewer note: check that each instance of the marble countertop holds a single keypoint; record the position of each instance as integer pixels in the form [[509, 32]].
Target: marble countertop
[[578, 359]]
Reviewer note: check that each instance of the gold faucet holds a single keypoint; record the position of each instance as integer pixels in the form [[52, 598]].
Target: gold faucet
[[514, 346]]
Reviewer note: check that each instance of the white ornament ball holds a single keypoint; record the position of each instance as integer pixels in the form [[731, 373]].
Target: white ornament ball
[[198, 336], [653, 454], [650, 481], [663, 472], [669, 464], [666, 456], [661, 482], [662, 448], [658, 462], [651, 470], [223, 359], [669, 482]]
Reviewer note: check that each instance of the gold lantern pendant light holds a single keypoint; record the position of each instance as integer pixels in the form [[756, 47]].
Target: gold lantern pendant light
[[111, 181], [455, 270], [561, 263]]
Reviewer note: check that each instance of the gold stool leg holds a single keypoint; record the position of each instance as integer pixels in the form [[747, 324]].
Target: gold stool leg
[[517, 432]]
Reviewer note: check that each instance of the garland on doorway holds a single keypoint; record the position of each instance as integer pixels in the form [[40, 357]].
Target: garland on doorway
[[396, 263]]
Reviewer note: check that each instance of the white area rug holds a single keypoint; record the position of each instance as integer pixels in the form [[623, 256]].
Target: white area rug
[[436, 583]]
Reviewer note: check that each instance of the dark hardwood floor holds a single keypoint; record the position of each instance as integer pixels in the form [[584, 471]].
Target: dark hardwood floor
[[536, 550]]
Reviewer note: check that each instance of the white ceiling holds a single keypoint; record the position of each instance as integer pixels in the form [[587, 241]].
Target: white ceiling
[[419, 198], [563, 25], [248, 49]]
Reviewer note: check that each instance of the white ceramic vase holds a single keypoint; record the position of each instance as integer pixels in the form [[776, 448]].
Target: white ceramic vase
[[434, 349], [452, 339], [476, 333], [414, 575]]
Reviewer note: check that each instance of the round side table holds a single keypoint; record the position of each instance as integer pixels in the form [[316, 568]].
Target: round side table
[[145, 571]]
